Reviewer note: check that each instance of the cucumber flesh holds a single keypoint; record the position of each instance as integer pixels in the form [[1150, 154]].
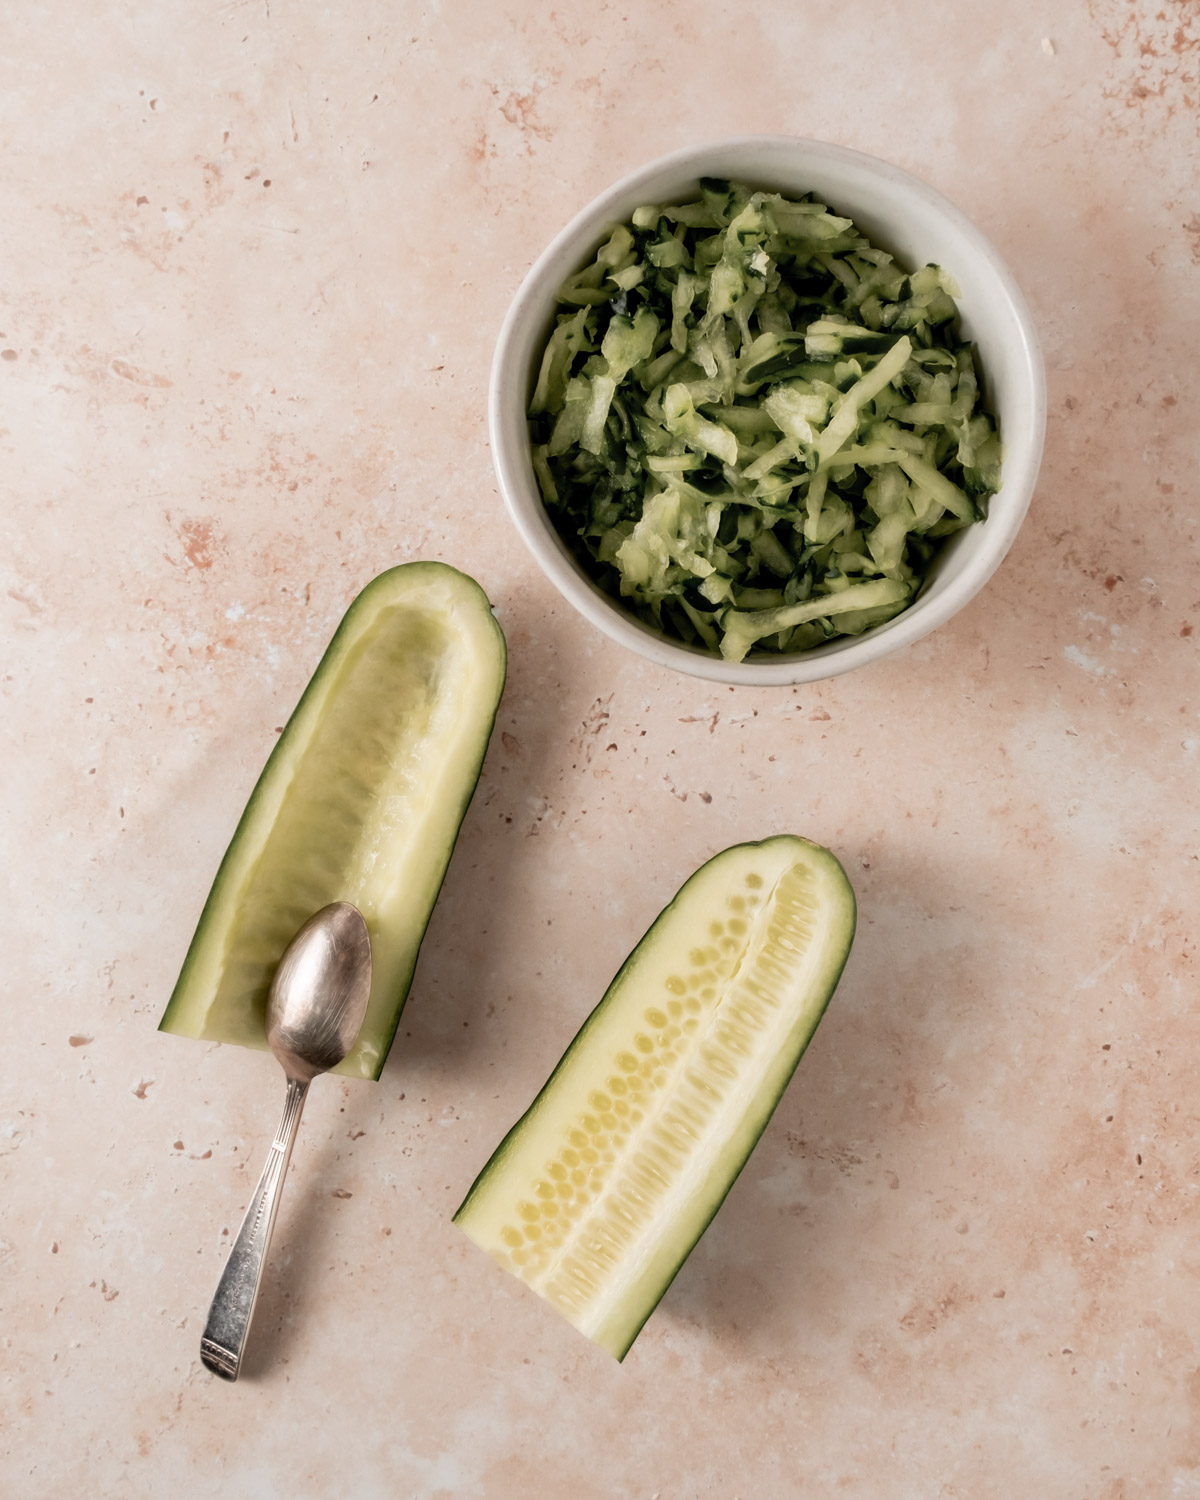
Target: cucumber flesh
[[598, 1193], [361, 801]]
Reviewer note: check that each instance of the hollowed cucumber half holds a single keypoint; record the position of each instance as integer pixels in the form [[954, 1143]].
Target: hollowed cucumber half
[[600, 1190], [361, 800]]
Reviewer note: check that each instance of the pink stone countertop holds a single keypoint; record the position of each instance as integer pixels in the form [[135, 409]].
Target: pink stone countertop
[[253, 257]]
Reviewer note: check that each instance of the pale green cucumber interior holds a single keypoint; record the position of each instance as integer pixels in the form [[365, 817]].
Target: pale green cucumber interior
[[600, 1191], [360, 802]]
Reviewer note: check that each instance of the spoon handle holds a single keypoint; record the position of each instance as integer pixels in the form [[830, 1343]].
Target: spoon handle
[[224, 1336]]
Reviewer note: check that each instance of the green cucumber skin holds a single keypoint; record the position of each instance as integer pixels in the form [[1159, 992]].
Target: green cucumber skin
[[497, 1158], [344, 633]]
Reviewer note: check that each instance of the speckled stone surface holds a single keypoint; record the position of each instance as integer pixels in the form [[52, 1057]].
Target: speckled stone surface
[[253, 257]]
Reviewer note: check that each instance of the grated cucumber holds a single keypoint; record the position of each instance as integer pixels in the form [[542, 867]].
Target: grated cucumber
[[729, 386]]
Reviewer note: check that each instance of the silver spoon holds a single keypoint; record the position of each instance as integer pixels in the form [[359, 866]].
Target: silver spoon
[[314, 1014]]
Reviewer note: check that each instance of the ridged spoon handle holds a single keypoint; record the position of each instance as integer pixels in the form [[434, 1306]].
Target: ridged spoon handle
[[224, 1336]]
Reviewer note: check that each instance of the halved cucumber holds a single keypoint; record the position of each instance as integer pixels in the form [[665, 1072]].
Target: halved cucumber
[[600, 1190], [360, 801]]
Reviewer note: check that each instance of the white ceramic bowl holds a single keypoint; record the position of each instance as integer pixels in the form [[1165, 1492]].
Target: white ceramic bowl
[[898, 212]]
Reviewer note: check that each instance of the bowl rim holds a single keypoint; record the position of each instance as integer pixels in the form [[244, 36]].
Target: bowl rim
[[523, 501]]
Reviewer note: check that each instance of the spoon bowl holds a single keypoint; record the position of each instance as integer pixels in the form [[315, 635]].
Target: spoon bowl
[[319, 995]]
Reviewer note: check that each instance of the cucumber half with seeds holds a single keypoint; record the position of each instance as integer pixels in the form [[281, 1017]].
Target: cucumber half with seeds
[[598, 1193], [360, 801]]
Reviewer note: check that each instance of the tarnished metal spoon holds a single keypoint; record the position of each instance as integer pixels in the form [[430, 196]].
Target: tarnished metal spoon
[[314, 1014]]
